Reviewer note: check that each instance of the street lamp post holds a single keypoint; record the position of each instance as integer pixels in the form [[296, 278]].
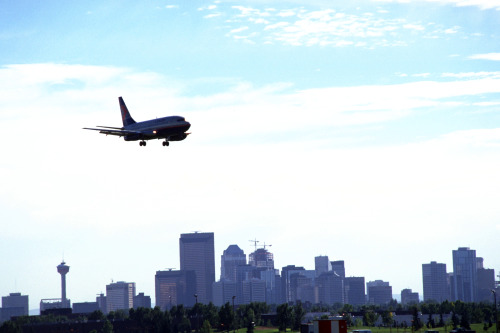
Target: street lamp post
[[495, 302]]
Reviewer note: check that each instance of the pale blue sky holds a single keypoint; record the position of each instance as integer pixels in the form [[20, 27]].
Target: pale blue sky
[[363, 130]]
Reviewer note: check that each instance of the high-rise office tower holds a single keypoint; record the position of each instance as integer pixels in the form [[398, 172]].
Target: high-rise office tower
[[330, 288], [16, 300], [302, 286], [197, 254], [243, 273], [485, 284], [63, 269], [321, 264], [231, 258], [254, 290], [338, 267], [14, 305], [120, 296], [223, 292], [286, 289], [464, 274], [378, 292], [355, 290], [273, 285], [435, 281], [174, 288]]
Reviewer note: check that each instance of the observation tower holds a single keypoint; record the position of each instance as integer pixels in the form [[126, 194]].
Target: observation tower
[[63, 269]]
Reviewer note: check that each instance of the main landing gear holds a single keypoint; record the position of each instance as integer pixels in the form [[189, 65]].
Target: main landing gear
[[164, 143]]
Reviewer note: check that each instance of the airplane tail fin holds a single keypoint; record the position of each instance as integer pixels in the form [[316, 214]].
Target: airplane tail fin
[[126, 117]]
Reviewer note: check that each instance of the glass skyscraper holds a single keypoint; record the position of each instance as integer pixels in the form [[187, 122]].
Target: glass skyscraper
[[464, 275], [197, 254]]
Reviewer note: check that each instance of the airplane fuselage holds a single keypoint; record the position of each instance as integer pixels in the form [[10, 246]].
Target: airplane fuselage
[[172, 128]]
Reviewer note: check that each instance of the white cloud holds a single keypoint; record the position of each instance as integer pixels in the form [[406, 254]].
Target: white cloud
[[238, 30], [493, 75], [327, 27], [417, 27], [286, 13], [453, 30], [486, 56], [212, 15]]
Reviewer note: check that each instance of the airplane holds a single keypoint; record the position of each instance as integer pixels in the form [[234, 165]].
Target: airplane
[[172, 128]]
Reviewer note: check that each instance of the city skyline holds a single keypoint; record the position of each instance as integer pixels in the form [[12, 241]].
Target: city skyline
[[366, 130], [170, 276]]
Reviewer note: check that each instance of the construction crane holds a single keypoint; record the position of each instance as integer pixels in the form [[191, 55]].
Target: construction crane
[[264, 246], [255, 243]]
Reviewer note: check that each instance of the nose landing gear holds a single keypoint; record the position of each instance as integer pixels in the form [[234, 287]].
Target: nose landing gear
[[165, 143], [142, 143]]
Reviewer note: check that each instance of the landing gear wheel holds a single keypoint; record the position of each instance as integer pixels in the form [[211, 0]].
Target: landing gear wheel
[[165, 143], [142, 143]]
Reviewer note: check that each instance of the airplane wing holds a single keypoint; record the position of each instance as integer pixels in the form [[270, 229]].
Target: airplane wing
[[117, 131]]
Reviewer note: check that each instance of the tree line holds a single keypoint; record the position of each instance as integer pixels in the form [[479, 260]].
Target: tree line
[[178, 319], [205, 318], [462, 314]]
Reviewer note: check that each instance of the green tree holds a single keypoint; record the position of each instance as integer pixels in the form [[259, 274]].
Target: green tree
[[10, 327], [416, 322], [465, 318], [369, 318], [430, 321], [284, 316], [347, 308], [226, 317], [184, 326], [205, 328], [298, 315], [196, 312], [348, 318], [250, 318], [387, 319], [454, 320], [107, 327], [96, 315], [210, 313]]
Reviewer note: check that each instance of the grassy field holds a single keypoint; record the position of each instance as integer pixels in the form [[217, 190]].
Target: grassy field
[[475, 327]]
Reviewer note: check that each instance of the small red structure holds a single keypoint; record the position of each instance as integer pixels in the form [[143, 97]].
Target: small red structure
[[330, 326]]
